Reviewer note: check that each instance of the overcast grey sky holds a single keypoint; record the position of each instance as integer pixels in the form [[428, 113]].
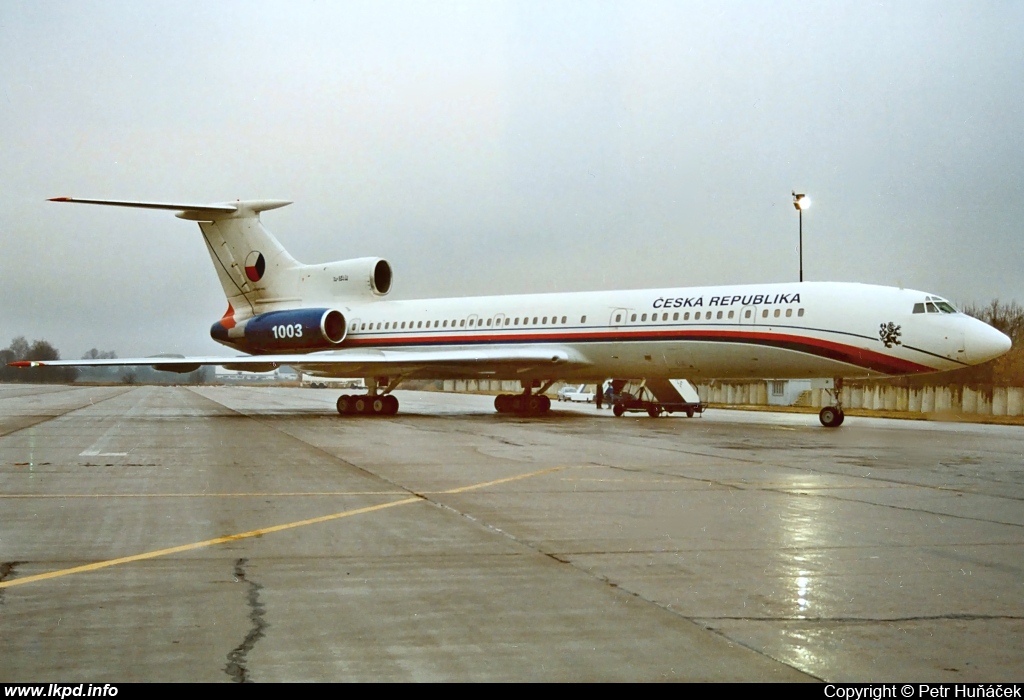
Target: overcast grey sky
[[498, 147]]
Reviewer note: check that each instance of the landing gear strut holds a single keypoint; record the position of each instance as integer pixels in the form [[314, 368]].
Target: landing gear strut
[[526, 403], [833, 416]]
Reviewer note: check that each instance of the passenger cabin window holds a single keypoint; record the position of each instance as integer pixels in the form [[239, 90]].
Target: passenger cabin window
[[719, 314], [778, 312], [764, 314], [731, 314], [675, 316], [632, 318], [618, 318], [800, 312], [686, 316], [644, 317], [789, 312], [583, 319]]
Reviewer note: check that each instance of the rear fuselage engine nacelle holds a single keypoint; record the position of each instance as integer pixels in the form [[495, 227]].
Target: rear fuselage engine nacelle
[[293, 330]]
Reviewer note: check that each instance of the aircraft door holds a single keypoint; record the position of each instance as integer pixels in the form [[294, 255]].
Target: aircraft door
[[473, 321], [619, 317], [498, 322], [748, 315]]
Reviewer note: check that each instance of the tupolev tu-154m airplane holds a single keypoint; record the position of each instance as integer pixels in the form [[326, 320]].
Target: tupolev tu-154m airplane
[[332, 320]]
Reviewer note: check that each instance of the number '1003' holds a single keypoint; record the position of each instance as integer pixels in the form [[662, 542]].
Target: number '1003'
[[292, 330]]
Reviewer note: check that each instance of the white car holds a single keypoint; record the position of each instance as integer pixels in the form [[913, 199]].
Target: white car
[[575, 393]]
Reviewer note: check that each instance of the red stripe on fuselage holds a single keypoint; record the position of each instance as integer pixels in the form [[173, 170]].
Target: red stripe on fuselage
[[868, 359]]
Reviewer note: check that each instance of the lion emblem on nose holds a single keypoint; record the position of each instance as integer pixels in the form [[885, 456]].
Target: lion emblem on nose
[[890, 333]]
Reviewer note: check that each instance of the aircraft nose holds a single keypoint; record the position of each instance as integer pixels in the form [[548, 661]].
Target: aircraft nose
[[986, 343]]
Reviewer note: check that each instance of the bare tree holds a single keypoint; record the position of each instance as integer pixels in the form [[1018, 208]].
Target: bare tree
[[19, 348]]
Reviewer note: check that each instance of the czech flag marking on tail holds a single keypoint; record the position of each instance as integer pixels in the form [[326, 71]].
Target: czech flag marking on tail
[[255, 266]]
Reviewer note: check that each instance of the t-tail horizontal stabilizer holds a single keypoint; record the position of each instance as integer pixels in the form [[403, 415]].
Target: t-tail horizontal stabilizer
[[192, 212]]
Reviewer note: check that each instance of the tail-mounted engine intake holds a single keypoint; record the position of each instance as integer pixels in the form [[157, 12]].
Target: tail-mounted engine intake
[[357, 278], [298, 330]]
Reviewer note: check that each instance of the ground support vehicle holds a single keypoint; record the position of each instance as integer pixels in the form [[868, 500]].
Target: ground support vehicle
[[677, 397]]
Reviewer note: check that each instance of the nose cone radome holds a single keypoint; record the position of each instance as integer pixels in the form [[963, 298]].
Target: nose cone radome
[[986, 343]]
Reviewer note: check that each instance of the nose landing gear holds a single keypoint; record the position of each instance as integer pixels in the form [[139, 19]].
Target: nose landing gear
[[833, 416]]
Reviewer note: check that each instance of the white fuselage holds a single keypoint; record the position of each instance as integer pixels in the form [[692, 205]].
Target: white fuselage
[[809, 329]]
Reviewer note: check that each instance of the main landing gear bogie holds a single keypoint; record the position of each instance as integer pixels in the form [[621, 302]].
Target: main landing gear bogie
[[522, 404], [367, 405]]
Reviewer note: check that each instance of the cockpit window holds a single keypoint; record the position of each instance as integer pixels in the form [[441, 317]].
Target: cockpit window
[[934, 305]]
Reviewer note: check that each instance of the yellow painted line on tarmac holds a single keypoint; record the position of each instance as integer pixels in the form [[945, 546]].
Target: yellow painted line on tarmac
[[474, 487], [256, 533], [204, 495], [205, 543]]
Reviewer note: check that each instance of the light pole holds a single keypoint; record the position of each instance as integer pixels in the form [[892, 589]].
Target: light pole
[[801, 202]]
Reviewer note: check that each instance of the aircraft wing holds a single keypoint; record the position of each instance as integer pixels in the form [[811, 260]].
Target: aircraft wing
[[455, 362]]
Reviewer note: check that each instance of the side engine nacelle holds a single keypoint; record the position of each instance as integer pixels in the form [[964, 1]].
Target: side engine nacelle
[[359, 278], [295, 330]]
